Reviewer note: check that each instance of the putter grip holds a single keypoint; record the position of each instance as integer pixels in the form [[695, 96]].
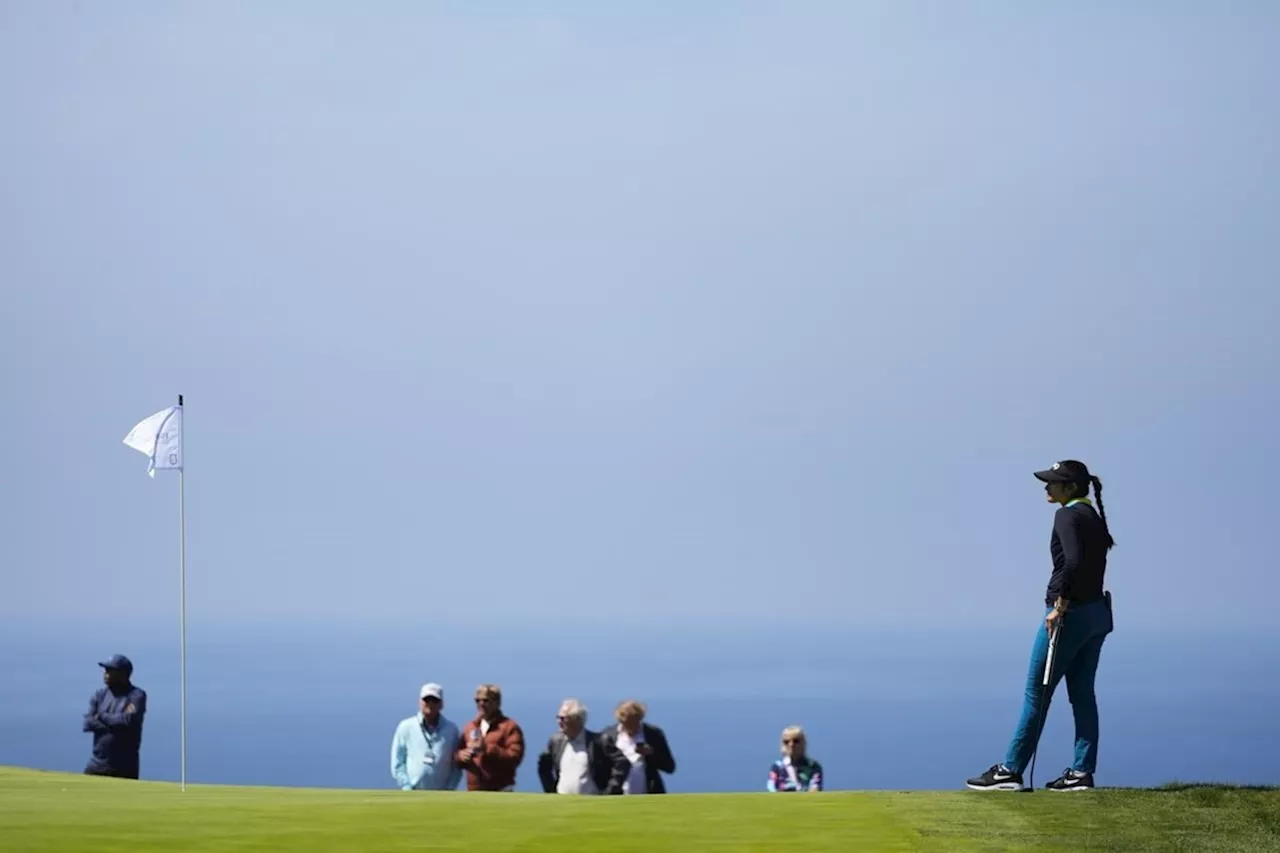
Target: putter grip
[[1048, 660]]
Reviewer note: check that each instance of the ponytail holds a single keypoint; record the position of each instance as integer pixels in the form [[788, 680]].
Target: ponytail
[[1097, 493]]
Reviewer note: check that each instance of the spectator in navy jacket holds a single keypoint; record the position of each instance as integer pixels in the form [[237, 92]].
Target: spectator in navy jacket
[[115, 719]]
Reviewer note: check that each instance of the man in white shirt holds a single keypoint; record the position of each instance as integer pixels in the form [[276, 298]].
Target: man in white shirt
[[576, 760]]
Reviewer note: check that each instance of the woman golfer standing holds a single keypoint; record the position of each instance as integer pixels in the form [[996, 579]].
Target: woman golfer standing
[[1079, 610]]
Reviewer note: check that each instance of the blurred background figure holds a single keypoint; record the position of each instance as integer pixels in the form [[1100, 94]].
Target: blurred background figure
[[423, 747], [577, 760], [795, 770], [645, 749], [115, 715]]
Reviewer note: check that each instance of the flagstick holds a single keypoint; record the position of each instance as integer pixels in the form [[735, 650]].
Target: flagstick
[[182, 589]]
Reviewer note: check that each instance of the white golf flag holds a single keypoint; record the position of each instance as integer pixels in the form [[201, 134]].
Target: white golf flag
[[160, 438]]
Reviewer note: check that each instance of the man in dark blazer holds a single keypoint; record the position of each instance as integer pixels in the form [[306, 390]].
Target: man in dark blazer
[[576, 760], [645, 749]]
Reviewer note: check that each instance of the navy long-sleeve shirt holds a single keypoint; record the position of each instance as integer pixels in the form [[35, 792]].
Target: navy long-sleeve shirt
[[115, 718], [1078, 546]]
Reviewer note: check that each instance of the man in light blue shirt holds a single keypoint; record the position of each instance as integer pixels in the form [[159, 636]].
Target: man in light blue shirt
[[423, 747]]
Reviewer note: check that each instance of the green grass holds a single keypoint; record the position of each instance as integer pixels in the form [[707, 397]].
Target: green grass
[[54, 811]]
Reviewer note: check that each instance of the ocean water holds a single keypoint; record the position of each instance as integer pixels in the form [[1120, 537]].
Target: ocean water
[[884, 710]]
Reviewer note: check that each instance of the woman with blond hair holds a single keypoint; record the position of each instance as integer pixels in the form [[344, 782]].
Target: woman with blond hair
[[646, 750], [795, 770]]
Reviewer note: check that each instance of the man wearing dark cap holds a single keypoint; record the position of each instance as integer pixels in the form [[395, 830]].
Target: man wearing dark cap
[[115, 718]]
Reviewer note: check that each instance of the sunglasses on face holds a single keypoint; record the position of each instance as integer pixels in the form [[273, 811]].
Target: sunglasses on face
[[791, 740]]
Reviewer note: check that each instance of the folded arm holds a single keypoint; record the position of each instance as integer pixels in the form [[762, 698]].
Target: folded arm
[[91, 721], [130, 717]]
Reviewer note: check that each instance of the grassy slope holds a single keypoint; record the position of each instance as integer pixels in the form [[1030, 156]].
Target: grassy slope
[[51, 811]]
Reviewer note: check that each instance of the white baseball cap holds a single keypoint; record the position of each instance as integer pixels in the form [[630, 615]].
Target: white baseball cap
[[432, 689]]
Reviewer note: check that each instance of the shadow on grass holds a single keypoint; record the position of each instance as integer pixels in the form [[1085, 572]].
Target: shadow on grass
[[1264, 811], [1174, 787]]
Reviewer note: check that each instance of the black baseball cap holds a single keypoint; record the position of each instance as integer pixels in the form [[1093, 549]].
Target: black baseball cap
[[1066, 471], [117, 662]]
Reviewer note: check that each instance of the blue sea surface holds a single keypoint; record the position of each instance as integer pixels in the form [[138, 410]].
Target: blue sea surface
[[884, 710]]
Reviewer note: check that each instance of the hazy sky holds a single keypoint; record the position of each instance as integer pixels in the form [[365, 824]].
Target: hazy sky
[[691, 312]]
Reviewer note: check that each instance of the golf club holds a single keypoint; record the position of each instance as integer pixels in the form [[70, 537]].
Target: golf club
[[1044, 702]]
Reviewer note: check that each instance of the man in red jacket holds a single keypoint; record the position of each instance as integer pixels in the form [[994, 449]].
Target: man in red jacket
[[492, 745]]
